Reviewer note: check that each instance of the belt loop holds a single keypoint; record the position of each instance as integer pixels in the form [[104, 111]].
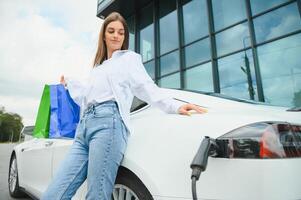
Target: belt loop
[[93, 109]]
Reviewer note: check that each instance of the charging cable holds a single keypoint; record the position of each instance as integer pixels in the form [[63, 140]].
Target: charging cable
[[207, 148]]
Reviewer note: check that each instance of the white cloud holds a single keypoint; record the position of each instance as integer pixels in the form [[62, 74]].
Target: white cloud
[[288, 22], [39, 41]]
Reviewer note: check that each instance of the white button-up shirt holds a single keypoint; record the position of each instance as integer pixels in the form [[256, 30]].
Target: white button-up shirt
[[121, 77]]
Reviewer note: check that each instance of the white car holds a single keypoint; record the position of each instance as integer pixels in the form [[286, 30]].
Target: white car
[[257, 153]]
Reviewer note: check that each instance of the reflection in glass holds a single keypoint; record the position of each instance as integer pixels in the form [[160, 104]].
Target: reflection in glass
[[258, 6], [146, 28], [169, 63], [199, 78], [168, 26], [197, 52], [280, 69], [228, 12], [150, 68], [232, 39], [172, 81], [237, 77], [131, 26], [276, 23], [194, 11]]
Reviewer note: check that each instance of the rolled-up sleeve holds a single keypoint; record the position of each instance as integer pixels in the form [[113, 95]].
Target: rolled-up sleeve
[[143, 87], [76, 90]]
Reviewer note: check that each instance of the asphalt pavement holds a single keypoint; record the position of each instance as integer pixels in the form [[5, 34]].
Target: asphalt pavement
[[5, 151]]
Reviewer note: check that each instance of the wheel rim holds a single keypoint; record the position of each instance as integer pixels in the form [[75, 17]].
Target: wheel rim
[[122, 192], [12, 181]]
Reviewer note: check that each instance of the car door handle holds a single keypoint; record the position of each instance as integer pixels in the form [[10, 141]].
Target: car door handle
[[48, 143], [23, 149]]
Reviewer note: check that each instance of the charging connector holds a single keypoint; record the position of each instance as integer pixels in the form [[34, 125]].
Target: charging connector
[[207, 148]]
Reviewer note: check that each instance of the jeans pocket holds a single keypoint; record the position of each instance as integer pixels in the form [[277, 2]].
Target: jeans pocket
[[102, 123], [104, 112]]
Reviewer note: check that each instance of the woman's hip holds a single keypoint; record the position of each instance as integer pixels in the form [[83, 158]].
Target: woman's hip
[[104, 119]]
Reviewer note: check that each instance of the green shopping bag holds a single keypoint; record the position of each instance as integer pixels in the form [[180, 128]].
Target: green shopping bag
[[41, 129]]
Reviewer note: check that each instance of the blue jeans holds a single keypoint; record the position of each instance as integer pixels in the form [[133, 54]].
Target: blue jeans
[[95, 154]]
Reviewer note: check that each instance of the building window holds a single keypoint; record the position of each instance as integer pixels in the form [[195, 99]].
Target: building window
[[280, 68], [228, 12], [197, 52], [169, 63], [168, 26], [131, 25], [276, 23], [199, 78], [146, 30], [233, 39], [259, 6], [171, 81], [150, 68], [237, 76], [195, 20]]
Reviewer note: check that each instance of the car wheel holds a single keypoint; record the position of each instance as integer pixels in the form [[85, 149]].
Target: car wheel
[[13, 180], [129, 187]]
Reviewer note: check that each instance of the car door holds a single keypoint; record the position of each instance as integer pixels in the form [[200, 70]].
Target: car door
[[60, 149], [36, 167]]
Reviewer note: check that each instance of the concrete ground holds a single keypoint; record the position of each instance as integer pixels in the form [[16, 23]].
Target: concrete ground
[[5, 151]]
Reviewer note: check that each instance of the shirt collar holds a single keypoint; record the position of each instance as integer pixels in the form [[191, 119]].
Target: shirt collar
[[115, 54], [118, 52]]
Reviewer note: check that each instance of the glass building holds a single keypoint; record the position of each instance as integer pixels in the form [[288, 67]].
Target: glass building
[[248, 49]]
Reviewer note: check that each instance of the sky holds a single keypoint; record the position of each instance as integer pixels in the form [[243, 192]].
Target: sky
[[40, 41]]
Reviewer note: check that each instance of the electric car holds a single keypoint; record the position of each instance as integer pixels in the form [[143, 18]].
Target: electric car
[[256, 153]]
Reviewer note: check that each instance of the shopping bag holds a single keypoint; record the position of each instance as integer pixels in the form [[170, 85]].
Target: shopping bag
[[41, 129], [64, 113]]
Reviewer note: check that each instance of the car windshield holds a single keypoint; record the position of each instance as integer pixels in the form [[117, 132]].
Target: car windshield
[[28, 130]]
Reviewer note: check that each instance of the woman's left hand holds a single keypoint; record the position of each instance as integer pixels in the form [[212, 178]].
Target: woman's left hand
[[183, 110]]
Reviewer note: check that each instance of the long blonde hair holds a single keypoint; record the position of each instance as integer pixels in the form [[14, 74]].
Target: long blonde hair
[[101, 53]]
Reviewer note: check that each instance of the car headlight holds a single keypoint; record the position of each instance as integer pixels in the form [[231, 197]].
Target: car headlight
[[262, 140]]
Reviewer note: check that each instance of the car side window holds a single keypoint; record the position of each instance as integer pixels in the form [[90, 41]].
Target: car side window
[[137, 104]]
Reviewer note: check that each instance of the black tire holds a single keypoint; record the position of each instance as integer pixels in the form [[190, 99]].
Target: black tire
[[13, 179], [130, 183]]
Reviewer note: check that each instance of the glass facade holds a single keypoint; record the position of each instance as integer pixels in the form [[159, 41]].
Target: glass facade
[[259, 6], [146, 33], [225, 40], [199, 78], [131, 25], [150, 68], [169, 63], [276, 23], [228, 12], [168, 28], [194, 11], [197, 52], [171, 81], [242, 48], [280, 65], [237, 77]]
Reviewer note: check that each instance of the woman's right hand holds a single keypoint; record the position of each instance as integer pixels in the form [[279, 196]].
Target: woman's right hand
[[62, 81]]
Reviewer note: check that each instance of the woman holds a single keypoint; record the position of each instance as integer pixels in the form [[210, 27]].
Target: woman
[[101, 136]]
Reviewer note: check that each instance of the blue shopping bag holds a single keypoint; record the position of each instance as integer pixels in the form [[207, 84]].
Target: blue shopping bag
[[64, 113]]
